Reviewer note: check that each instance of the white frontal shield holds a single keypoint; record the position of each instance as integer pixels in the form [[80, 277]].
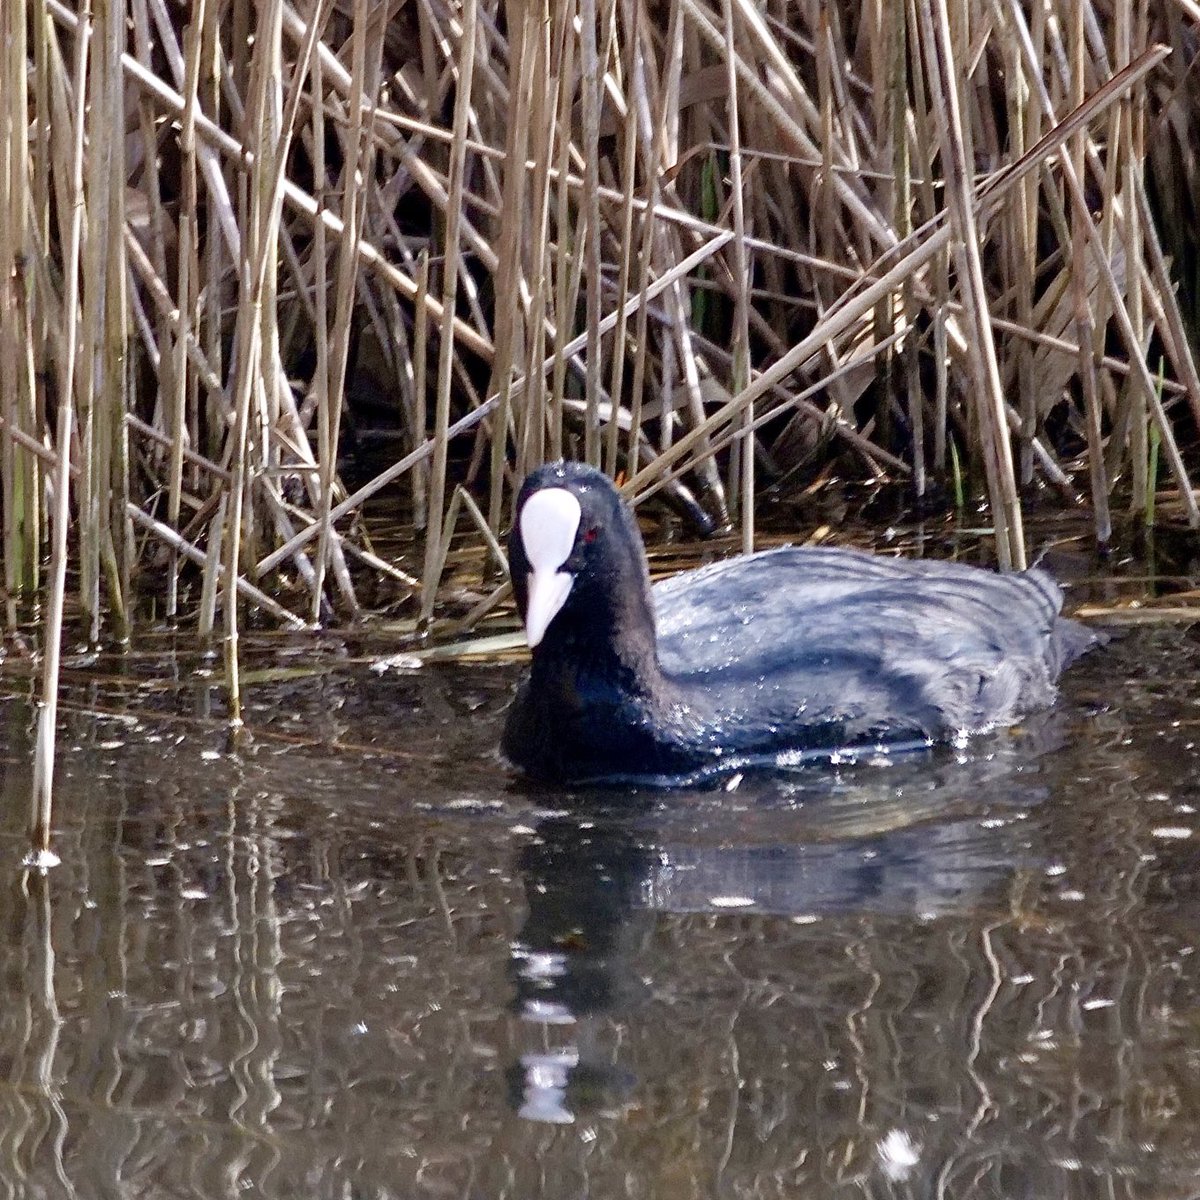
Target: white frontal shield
[[548, 525]]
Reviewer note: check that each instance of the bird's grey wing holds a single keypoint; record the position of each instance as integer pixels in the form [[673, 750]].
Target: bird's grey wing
[[839, 631]]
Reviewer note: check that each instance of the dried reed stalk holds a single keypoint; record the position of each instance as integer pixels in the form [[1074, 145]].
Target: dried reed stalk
[[702, 241], [43, 761]]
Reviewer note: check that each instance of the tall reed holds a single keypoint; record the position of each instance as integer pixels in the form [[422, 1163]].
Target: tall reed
[[703, 243]]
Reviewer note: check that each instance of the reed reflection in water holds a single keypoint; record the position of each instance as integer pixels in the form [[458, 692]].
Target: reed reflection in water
[[306, 970]]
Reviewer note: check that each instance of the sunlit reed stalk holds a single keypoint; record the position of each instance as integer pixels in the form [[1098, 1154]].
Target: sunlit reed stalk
[[420, 381], [590, 259], [630, 146], [187, 231], [43, 760], [944, 71], [319, 387], [42, 796], [1132, 155], [23, 348], [434, 546], [524, 85], [261, 241], [354, 173], [542, 115], [90, 310], [741, 271], [1085, 330], [561, 293], [894, 32]]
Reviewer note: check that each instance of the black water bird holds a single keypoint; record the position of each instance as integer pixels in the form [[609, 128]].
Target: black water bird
[[779, 656]]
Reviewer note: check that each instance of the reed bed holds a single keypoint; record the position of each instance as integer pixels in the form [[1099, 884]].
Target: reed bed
[[704, 244]]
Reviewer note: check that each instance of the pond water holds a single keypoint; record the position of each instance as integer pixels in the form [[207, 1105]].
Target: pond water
[[354, 958]]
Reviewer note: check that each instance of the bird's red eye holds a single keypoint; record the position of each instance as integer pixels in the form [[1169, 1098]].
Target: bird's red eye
[[589, 535]]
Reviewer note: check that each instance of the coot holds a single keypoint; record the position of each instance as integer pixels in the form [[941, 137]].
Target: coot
[[777, 656]]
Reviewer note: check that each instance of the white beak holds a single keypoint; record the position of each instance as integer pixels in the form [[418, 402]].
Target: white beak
[[548, 525], [548, 592]]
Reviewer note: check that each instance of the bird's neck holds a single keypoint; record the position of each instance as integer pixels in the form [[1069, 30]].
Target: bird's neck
[[609, 647], [596, 658]]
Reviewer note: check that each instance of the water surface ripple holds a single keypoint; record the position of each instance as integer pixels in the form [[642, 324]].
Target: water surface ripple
[[353, 958]]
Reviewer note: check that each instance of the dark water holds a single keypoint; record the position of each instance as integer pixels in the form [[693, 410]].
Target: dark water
[[352, 959]]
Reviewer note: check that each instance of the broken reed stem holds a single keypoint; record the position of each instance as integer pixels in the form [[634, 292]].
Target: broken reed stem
[[630, 147]]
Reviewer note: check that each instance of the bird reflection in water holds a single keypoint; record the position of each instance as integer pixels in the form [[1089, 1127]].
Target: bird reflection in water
[[911, 839], [583, 885]]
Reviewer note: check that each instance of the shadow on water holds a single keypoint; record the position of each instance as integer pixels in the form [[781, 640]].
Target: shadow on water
[[356, 959]]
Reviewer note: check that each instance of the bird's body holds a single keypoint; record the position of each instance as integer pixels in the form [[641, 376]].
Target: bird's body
[[777, 655]]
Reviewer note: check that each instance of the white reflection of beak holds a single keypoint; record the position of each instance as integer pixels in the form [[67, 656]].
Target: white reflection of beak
[[548, 525]]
